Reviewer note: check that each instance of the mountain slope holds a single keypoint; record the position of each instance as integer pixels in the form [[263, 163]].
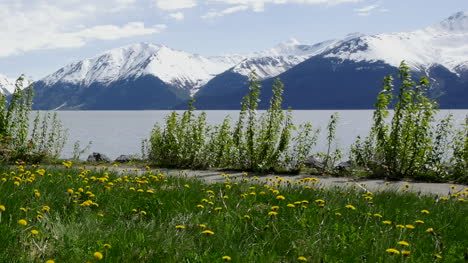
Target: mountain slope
[[347, 74], [149, 71], [7, 85]]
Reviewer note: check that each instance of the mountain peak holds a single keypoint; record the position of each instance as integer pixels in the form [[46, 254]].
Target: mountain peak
[[458, 22]]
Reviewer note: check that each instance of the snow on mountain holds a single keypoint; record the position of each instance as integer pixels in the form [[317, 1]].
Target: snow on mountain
[[178, 68], [7, 85], [445, 43], [274, 61]]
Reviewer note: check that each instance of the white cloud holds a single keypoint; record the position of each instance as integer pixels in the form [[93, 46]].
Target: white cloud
[[51, 24], [259, 5], [230, 10], [175, 4], [370, 9], [177, 16]]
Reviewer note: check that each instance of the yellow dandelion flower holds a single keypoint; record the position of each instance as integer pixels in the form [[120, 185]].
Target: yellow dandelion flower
[[301, 258], [400, 226], [23, 222], [98, 255], [419, 222], [291, 205], [202, 225], [50, 261], [180, 227], [46, 208], [246, 217], [272, 213], [143, 213], [107, 246], [319, 201], [280, 197], [438, 256], [430, 230], [405, 253], [403, 243], [226, 258], [34, 232], [187, 186], [321, 205], [425, 211], [338, 214], [218, 208], [377, 215], [392, 251], [444, 198], [208, 232], [2, 208], [387, 222], [274, 208], [409, 226], [350, 207], [200, 206]]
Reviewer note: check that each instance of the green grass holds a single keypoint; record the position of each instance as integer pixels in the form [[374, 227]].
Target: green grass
[[140, 226]]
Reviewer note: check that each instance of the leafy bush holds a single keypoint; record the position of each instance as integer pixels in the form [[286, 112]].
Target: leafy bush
[[17, 141], [256, 142]]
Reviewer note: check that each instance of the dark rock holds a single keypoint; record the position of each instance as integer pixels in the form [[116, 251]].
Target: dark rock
[[123, 159], [343, 166], [98, 157], [313, 162]]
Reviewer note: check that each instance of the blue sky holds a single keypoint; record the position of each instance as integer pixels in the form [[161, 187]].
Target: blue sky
[[40, 36]]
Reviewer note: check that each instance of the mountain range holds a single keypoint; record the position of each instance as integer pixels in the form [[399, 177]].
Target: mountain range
[[342, 73]]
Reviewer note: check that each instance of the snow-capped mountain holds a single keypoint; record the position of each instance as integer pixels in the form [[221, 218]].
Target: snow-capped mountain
[[445, 44], [347, 73], [178, 68], [7, 85], [339, 73]]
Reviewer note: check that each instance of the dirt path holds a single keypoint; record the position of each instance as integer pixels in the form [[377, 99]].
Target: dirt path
[[440, 189]]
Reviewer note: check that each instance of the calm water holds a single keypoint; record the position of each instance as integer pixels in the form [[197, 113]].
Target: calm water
[[121, 132]]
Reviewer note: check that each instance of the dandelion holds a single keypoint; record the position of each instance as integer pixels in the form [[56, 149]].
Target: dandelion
[[291, 205], [377, 215], [143, 213], [405, 253], [419, 222], [70, 191], [425, 211], [180, 227], [438, 256], [319, 201], [98, 255], [218, 208], [202, 225], [280, 197], [350, 207], [430, 230], [400, 226], [34, 232], [107, 246], [338, 214], [46, 208], [301, 258], [403, 243], [272, 213], [200, 206], [2, 208], [246, 217], [409, 226], [444, 198], [50, 261], [387, 222], [208, 232], [226, 258], [23, 222], [274, 208], [392, 251], [187, 186]]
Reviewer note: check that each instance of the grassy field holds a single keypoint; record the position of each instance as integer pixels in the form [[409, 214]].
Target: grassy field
[[77, 215]]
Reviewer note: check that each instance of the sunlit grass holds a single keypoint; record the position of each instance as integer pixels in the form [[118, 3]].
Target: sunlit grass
[[73, 215]]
